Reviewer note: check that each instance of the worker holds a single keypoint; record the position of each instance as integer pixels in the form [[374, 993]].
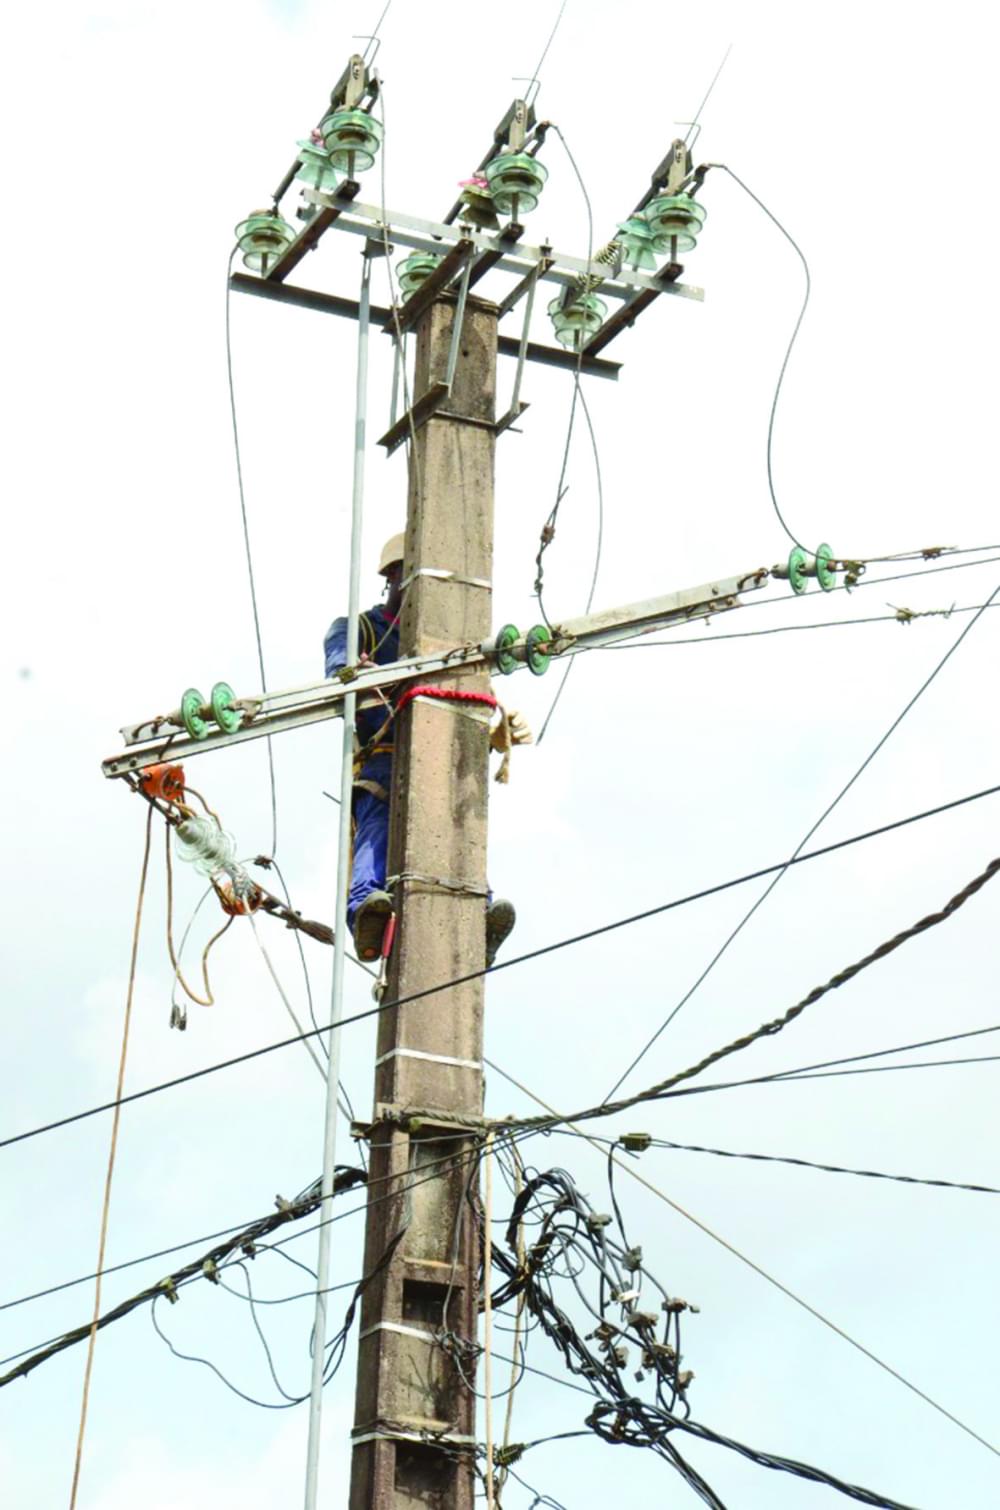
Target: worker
[[369, 905]]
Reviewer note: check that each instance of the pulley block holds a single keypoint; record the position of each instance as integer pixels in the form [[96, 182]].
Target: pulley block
[[163, 781]]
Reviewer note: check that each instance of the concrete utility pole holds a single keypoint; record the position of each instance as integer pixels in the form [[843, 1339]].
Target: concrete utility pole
[[415, 1413], [414, 1432]]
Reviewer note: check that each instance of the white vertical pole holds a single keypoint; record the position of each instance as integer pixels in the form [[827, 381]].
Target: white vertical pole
[[340, 909]]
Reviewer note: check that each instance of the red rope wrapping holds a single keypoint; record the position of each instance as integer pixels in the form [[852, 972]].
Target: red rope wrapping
[[446, 694]]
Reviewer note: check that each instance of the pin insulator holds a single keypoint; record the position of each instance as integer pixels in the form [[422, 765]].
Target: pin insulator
[[352, 139], [637, 242], [262, 238], [674, 218], [516, 181]]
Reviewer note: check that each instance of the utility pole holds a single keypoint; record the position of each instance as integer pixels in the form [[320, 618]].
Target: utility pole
[[414, 1437], [414, 1431]]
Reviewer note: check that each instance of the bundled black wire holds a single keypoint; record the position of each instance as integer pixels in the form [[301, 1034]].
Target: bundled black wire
[[631, 1343]]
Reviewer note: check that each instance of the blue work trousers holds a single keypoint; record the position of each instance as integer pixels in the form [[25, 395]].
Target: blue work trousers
[[370, 850]]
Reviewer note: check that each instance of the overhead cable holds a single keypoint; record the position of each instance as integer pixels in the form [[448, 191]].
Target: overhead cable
[[768, 1029], [904, 617], [869, 1174], [842, 793], [520, 959], [556, 1118], [788, 350], [202, 1267], [246, 544], [571, 1228]]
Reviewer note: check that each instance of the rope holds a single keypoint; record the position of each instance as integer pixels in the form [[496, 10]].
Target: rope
[[445, 694], [111, 1162]]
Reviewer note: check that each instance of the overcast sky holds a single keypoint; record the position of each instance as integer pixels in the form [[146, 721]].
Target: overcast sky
[[137, 135]]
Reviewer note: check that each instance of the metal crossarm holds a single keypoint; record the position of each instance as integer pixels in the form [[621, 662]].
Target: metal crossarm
[[163, 737]]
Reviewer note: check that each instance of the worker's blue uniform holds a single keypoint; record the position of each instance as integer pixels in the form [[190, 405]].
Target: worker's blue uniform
[[378, 637]]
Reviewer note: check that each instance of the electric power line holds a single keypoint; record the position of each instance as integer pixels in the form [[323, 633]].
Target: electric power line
[[869, 1174], [520, 959], [733, 935], [768, 1029]]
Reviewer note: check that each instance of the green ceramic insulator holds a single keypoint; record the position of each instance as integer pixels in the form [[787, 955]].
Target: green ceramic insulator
[[576, 322], [414, 270], [636, 239], [515, 176], [352, 138], [478, 209], [826, 576], [673, 217], [315, 167], [192, 716], [504, 660], [226, 716], [538, 658], [262, 238], [798, 560]]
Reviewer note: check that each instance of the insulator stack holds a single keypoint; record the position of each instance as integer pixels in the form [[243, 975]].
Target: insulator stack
[[516, 181], [352, 139], [262, 238]]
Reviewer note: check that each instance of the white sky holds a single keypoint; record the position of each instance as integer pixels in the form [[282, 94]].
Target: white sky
[[138, 134]]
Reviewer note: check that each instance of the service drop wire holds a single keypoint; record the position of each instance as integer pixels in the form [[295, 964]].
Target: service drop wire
[[788, 351], [803, 842], [246, 543], [340, 915], [545, 949], [558, 1117], [548, 530]]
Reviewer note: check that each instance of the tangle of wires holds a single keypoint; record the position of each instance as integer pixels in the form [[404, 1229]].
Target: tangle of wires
[[623, 1334], [250, 1249]]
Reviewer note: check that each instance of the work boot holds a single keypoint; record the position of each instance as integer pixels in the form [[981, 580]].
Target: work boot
[[500, 920], [369, 924]]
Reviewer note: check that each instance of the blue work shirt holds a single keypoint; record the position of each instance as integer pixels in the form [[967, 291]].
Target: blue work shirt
[[378, 638]]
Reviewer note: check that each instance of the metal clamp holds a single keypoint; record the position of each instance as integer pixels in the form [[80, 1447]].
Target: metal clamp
[[445, 576], [462, 1064], [441, 883]]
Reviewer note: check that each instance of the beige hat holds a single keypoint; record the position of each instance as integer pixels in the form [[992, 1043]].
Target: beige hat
[[392, 551]]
